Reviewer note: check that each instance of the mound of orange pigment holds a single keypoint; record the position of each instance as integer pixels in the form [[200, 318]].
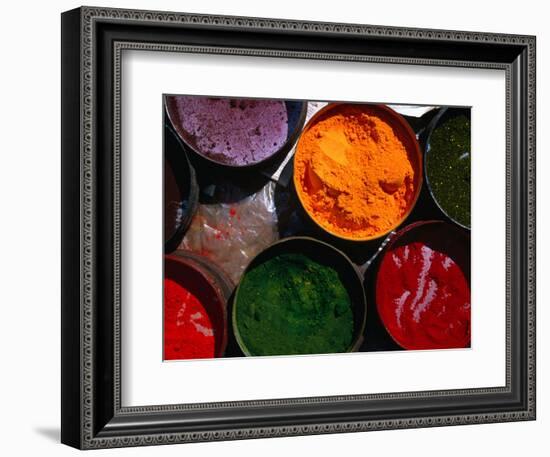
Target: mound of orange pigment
[[354, 174]]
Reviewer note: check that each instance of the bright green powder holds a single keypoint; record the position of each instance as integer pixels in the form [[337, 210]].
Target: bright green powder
[[448, 168], [291, 304]]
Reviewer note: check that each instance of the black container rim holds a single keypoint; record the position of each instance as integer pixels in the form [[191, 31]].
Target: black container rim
[[172, 243], [206, 262]]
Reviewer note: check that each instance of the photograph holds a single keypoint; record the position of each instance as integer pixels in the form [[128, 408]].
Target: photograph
[[275, 229], [296, 227]]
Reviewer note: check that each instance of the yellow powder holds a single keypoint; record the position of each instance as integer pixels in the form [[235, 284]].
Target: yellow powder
[[353, 173]]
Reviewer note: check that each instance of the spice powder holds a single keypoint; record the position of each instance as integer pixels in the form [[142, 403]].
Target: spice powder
[[235, 132], [354, 173], [290, 304], [448, 168]]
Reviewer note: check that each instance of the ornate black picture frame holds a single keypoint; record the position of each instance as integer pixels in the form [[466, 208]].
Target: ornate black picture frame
[[92, 42]]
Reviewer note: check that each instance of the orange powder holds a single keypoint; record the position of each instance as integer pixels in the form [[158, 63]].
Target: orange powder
[[353, 172]]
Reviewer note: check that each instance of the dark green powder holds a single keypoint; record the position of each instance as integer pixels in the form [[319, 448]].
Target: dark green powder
[[448, 168], [291, 304]]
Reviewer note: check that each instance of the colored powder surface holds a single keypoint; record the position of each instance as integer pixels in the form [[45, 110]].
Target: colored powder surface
[[423, 298], [291, 304], [448, 168], [188, 330], [234, 131], [354, 173]]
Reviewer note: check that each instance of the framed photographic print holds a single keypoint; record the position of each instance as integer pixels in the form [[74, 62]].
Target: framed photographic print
[[274, 227]]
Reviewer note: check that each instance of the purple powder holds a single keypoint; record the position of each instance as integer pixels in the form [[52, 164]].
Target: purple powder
[[233, 131]]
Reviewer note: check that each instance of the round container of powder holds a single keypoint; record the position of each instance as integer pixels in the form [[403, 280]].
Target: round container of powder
[[423, 286], [299, 296], [236, 132], [357, 170], [195, 315], [181, 192], [447, 164]]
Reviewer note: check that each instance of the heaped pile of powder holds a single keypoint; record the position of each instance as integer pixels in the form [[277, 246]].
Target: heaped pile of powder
[[233, 131], [291, 304], [354, 172]]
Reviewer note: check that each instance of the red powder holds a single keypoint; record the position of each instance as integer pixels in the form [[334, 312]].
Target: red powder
[[188, 330], [423, 297]]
